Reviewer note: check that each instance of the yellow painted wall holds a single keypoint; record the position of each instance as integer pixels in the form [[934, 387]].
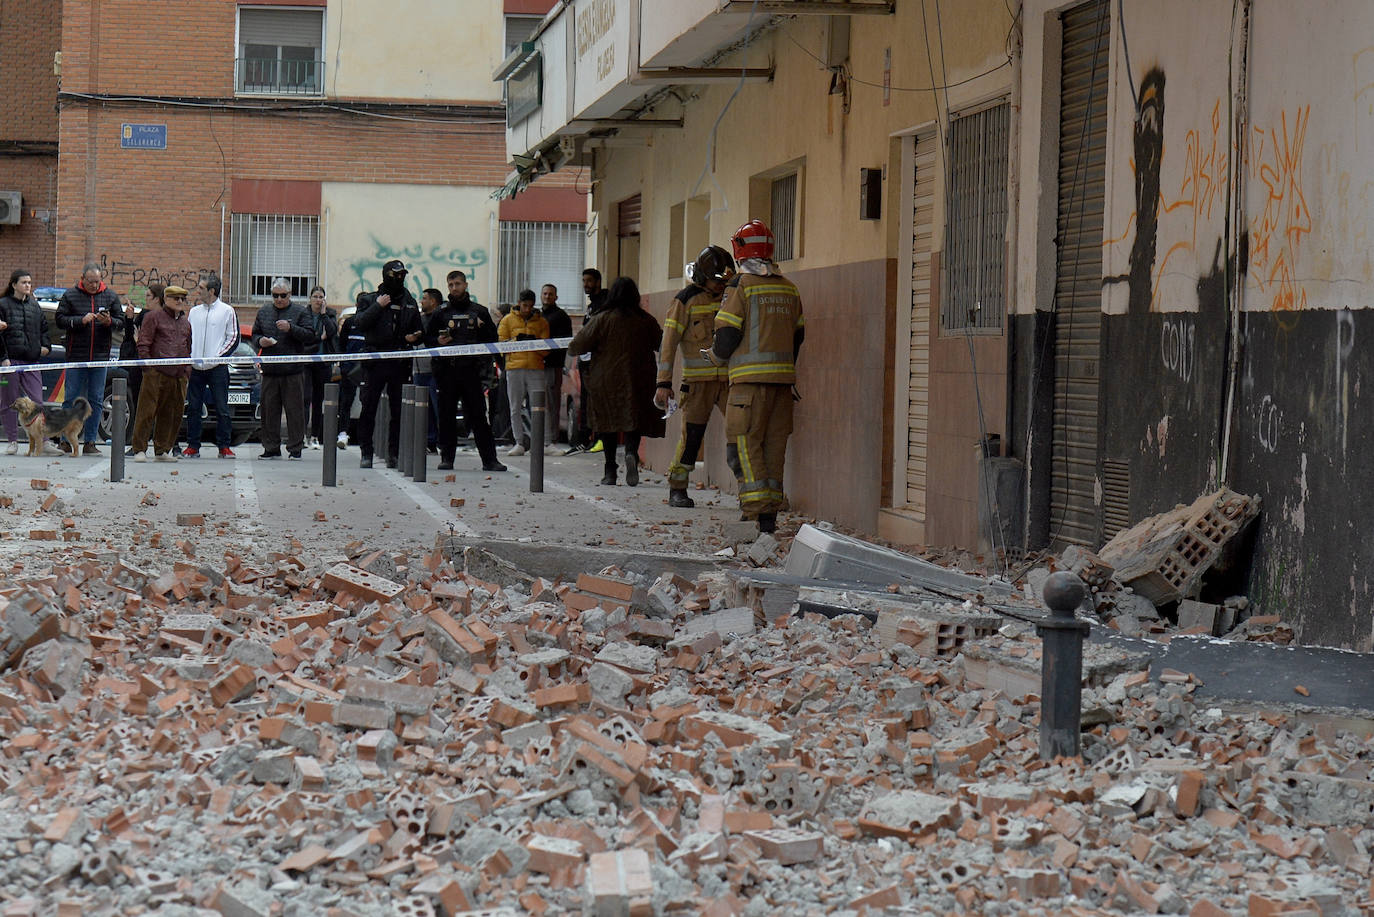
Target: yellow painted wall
[[432, 228], [795, 118], [414, 49]]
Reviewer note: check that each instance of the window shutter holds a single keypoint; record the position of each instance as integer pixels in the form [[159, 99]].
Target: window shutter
[[291, 28]]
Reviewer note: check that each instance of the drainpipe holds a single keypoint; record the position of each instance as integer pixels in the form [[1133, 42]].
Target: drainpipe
[[1238, 125]]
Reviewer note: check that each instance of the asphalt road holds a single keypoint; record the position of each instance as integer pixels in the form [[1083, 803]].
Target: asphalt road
[[253, 503]]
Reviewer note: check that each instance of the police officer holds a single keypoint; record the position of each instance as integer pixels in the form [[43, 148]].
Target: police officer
[[758, 334], [390, 321], [690, 324], [462, 320]]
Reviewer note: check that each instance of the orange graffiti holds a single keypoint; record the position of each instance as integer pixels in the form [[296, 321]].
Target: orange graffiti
[[1276, 233]]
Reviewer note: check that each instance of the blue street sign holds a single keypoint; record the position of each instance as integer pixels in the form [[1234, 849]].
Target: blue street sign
[[143, 136]]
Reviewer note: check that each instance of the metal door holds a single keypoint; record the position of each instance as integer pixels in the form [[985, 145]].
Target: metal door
[[918, 364], [1074, 511]]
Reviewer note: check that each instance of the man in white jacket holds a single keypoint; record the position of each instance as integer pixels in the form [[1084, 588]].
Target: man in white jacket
[[214, 333]]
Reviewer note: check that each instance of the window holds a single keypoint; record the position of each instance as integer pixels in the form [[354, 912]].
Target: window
[[519, 29], [677, 245], [776, 198], [279, 51], [974, 286], [783, 217], [536, 253], [265, 247]]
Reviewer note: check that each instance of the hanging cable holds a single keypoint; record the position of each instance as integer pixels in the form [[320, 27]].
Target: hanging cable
[[708, 167]]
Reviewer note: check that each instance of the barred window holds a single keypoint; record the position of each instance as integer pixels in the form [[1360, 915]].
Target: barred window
[[975, 283], [263, 247], [783, 217], [536, 253]]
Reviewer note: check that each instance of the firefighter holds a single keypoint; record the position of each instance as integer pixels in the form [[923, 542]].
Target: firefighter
[[691, 323], [758, 334]]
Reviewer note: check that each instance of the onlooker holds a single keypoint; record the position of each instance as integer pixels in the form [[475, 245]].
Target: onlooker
[[164, 334], [596, 302], [87, 312], [623, 340], [462, 321], [214, 333], [351, 340], [495, 375], [324, 324], [422, 368], [282, 329], [555, 361], [128, 350], [391, 321], [23, 340], [524, 368]]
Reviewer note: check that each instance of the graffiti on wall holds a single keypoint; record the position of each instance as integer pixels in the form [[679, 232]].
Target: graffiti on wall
[[429, 266], [1276, 233], [133, 277], [1272, 161]]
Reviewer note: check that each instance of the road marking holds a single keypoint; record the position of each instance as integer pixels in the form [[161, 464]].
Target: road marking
[[601, 503], [246, 492], [431, 506], [95, 471]]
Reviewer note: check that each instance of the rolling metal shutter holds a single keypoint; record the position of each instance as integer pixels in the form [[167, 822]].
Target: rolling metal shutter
[[281, 28], [918, 399], [1074, 511]]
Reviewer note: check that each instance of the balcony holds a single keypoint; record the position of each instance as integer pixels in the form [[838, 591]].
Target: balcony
[[279, 77]]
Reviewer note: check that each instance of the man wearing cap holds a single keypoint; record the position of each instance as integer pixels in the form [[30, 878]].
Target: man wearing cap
[[164, 334], [390, 321]]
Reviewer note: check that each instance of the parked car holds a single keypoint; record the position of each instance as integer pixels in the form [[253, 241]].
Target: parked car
[[244, 384]]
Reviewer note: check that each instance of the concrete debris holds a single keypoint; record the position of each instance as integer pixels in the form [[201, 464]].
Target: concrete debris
[[382, 734], [1165, 556]]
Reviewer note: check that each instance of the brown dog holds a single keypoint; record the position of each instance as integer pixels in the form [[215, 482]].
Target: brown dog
[[43, 420]]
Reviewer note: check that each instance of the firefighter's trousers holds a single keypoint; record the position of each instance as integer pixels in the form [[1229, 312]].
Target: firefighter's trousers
[[758, 421], [697, 401]]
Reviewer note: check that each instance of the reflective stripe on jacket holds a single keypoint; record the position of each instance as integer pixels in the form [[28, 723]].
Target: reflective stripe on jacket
[[690, 324], [768, 312]]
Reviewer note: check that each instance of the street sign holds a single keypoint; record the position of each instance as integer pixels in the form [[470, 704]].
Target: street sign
[[143, 136]]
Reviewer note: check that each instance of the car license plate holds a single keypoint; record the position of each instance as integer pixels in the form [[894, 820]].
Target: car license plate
[[239, 398]]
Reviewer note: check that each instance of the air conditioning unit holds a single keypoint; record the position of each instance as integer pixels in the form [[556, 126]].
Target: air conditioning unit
[[11, 206]]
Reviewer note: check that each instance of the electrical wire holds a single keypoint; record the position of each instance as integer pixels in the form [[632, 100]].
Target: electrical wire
[[708, 166], [850, 76], [1126, 50]]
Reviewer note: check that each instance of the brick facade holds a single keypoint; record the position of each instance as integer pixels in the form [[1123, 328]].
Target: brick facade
[[30, 33]]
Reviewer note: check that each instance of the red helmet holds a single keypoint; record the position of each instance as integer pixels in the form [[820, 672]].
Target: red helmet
[[753, 240]]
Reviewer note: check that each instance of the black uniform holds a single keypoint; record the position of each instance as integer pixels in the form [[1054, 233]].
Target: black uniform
[[385, 329], [460, 378]]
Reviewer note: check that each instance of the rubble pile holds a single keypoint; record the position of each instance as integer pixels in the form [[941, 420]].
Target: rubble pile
[[369, 734]]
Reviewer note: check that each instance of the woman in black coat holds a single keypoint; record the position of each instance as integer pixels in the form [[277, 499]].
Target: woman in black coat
[[623, 341], [23, 341]]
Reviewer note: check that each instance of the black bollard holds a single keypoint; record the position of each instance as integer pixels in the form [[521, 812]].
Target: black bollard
[[331, 433], [407, 408], [1061, 667], [119, 423], [419, 458], [537, 411]]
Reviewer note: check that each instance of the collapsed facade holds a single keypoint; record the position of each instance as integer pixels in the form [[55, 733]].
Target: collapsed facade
[[1066, 265]]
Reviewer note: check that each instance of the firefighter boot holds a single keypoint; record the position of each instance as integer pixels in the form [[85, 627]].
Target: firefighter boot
[[680, 499]]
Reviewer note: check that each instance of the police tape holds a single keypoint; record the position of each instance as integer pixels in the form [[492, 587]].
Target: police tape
[[452, 350]]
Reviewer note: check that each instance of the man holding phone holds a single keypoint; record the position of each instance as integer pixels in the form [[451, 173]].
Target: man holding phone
[[87, 312]]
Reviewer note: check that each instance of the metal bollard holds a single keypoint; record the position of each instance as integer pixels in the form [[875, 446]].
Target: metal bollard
[[1061, 667], [402, 449], [537, 411], [419, 458], [331, 433], [119, 422]]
